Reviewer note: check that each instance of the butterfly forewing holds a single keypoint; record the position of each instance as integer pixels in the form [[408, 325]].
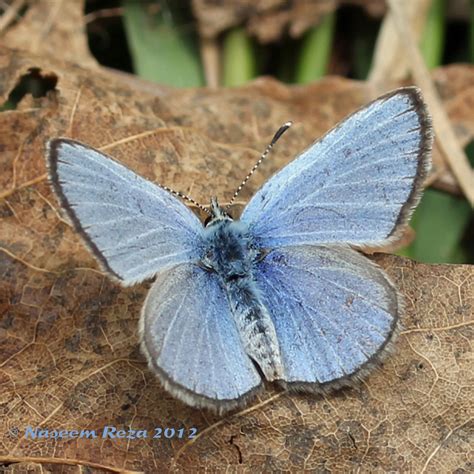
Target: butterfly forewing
[[133, 227], [357, 184]]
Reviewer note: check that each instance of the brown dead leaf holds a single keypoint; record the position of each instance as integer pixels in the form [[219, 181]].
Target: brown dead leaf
[[68, 335], [457, 92], [48, 24]]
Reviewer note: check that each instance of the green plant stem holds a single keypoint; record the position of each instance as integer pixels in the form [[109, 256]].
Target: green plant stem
[[163, 49], [315, 51], [432, 40], [238, 58]]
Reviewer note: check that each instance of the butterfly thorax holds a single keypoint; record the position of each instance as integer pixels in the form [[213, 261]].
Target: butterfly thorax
[[229, 251], [231, 254]]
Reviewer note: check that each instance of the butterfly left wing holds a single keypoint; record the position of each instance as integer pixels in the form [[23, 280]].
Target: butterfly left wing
[[358, 184], [133, 227], [191, 341], [334, 312]]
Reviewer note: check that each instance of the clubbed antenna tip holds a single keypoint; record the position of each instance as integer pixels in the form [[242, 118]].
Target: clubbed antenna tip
[[280, 132]]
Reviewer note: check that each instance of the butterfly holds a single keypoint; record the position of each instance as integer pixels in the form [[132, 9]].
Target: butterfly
[[280, 295]]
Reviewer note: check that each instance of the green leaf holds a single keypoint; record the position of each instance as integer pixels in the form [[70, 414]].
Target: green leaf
[[162, 44], [440, 221], [238, 58], [432, 41], [315, 51]]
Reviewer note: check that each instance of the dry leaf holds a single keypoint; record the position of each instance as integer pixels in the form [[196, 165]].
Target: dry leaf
[[68, 336], [47, 24], [457, 91]]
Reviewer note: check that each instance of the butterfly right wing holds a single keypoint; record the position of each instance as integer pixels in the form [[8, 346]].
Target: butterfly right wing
[[334, 311], [191, 341], [133, 227], [358, 184]]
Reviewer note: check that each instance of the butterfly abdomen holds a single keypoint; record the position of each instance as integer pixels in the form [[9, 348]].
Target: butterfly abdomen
[[255, 326], [231, 255]]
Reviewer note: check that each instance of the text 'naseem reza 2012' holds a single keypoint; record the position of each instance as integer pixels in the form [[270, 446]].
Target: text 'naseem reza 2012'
[[109, 432]]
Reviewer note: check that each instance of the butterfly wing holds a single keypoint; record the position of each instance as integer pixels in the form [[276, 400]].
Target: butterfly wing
[[334, 312], [357, 184], [191, 341], [133, 227]]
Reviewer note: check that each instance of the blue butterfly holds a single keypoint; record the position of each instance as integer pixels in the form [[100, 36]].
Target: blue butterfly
[[282, 294]]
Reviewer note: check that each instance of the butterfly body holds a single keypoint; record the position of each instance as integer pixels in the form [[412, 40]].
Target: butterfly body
[[282, 294], [232, 256]]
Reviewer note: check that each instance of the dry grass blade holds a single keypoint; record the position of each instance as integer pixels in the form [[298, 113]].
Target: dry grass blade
[[11, 14], [449, 145], [210, 59], [390, 63]]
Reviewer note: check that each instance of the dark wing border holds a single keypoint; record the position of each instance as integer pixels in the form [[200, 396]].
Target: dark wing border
[[52, 158], [424, 160]]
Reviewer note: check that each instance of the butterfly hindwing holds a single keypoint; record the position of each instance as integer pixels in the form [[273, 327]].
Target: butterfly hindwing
[[133, 227], [191, 340], [358, 184], [334, 312]]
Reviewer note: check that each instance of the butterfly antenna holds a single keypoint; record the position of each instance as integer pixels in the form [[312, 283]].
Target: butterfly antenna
[[186, 198], [275, 138]]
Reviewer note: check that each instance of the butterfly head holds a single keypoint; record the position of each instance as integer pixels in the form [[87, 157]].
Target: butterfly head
[[218, 214]]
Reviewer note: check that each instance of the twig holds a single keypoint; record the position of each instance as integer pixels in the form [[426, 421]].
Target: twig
[[65, 461], [390, 63], [11, 14], [104, 13], [210, 59], [452, 151]]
